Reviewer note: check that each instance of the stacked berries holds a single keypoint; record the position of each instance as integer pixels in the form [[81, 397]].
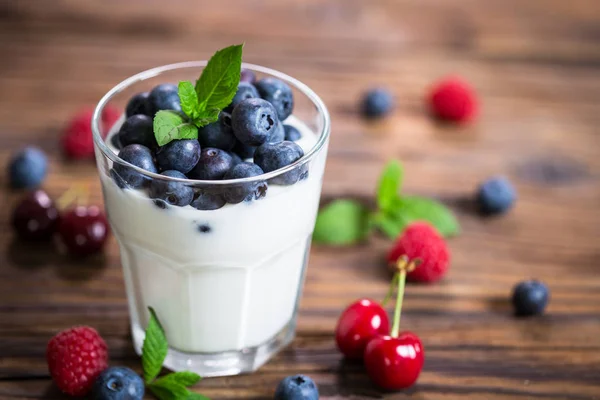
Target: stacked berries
[[252, 126], [78, 363]]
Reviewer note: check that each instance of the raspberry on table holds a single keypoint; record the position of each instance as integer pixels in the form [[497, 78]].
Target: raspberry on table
[[422, 241], [77, 141], [453, 99], [76, 357]]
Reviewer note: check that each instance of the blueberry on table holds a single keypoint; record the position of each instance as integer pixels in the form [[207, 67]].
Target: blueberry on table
[[218, 134], [139, 104], [291, 133], [171, 192], [213, 164], [277, 93], [208, 200], [496, 196], [297, 387], [141, 157], [278, 134], [377, 103], [137, 129], [245, 91], [244, 151], [245, 191], [273, 156], [530, 298], [247, 75], [164, 97], [253, 120], [180, 155], [28, 168], [118, 383]]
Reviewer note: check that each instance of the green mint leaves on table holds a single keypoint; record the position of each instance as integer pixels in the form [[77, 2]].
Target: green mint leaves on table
[[154, 350], [346, 222], [201, 103]]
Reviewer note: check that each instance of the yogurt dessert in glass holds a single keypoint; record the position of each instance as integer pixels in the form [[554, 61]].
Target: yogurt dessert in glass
[[219, 252]]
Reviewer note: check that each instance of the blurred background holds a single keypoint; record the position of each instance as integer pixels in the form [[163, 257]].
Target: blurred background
[[535, 66]]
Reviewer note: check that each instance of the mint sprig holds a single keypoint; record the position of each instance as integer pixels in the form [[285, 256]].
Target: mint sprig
[[202, 102], [172, 386], [347, 222]]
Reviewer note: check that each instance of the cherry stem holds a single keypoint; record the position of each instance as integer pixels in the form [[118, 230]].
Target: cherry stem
[[390, 292], [77, 193], [399, 297]]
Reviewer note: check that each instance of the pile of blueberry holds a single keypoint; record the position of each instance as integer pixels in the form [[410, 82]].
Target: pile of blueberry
[[250, 127]]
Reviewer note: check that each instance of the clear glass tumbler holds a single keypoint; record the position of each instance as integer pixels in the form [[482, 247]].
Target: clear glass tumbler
[[225, 283]]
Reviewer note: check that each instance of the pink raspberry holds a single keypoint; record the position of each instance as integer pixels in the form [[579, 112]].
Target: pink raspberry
[[454, 100]]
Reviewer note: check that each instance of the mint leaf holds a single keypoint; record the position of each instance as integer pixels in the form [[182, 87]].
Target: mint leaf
[[389, 224], [197, 396], [154, 349], [206, 117], [220, 78], [170, 125], [415, 208], [189, 99], [389, 185], [169, 391], [342, 222], [185, 378]]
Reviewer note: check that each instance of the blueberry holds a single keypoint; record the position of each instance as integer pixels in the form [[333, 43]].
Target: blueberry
[[277, 93], [273, 156], [115, 142], [297, 387], [208, 200], [291, 133], [180, 155], [141, 157], [213, 164], [496, 196], [377, 103], [138, 129], [118, 383], [219, 134], [245, 191], [164, 97], [173, 193], [235, 158], [278, 134], [253, 120], [244, 151], [245, 91], [27, 168], [247, 76], [139, 104], [530, 298]]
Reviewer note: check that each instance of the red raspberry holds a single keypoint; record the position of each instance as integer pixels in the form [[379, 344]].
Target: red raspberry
[[421, 240], [75, 358], [77, 141], [453, 99]]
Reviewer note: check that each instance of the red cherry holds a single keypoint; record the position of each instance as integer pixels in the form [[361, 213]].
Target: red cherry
[[35, 217], [394, 363], [83, 230], [360, 322]]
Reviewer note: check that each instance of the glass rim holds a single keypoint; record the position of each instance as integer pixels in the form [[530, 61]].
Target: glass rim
[[153, 72]]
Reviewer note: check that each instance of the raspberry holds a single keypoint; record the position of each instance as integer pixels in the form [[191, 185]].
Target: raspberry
[[421, 240], [77, 141], [453, 99], [75, 358]]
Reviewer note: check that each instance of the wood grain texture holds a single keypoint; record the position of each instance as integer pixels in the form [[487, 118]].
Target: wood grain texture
[[536, 67]]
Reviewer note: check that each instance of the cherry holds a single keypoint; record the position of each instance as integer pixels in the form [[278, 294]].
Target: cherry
[[360, 322], [35, 217], [83, 230], [394, 361]]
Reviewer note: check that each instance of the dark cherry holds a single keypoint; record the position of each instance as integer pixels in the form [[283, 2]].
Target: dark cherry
[[394, 363], [358, 324], [35, 217], [83, 230]]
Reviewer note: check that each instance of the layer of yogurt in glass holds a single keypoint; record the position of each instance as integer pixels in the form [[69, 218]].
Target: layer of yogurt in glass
[[219, 280]]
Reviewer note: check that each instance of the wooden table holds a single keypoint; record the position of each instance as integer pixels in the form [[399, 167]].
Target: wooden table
[[536, 67]]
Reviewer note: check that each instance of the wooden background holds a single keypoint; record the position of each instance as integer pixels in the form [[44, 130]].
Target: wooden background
[[536, 66]]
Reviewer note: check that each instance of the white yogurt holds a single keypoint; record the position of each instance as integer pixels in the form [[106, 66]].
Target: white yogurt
[[231, 288]]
